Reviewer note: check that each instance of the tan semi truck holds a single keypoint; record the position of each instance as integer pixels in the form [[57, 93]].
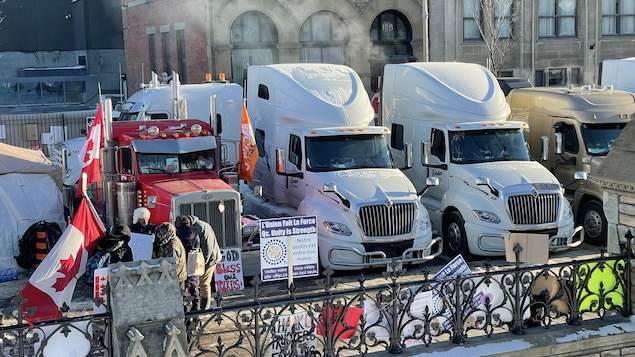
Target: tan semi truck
[[582, 123]]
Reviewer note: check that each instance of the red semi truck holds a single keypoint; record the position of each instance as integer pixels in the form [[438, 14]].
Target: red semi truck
[[171, 167]]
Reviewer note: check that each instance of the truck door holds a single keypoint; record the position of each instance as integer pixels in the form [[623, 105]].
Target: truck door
[[438, 168], [295, 184], [565, 166]]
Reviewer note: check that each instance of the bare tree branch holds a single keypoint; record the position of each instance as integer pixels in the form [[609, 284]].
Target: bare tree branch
[[495, 21]]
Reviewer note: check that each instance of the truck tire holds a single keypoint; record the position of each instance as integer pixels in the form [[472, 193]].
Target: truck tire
[[593, 222], [454, 235]]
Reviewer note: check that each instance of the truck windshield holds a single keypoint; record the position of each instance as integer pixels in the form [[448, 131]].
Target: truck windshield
[[488, 145], [332, 153], [174, 163], [599, 138]]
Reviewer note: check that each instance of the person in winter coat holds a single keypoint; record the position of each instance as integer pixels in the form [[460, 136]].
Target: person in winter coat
[[167, 244], [211, 251], [141, 221], [191, 241], [116, 243]]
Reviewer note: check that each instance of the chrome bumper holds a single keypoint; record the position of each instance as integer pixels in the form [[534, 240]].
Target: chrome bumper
[[378, 258]]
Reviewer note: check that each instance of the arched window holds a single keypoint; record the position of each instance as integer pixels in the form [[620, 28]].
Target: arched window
[[254, 38], [391, 35], [324, 38]]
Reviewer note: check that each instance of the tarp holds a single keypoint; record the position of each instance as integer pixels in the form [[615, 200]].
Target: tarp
[[30, 191], [14, 159]]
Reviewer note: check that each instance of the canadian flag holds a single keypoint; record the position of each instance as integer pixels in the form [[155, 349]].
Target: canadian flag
[[374, 101], [53, 282], [248, 149], [89, 155]]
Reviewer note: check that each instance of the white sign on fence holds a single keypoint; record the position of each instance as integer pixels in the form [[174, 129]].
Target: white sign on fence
[[228, 275], [288, 248]]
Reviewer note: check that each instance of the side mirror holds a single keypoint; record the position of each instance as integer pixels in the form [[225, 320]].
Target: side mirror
[[152, 201], [408, 155], [425, 153], [544, 148], [558, 147], [258, 190], [432, 181]]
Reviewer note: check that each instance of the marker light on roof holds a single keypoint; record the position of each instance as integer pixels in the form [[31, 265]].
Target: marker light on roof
[[196, 129], [153, 131]]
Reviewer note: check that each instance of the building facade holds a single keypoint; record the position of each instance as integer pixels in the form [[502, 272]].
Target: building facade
[[552, 42], [40, 38]]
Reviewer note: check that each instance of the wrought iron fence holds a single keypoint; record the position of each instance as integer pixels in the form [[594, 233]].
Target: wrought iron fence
[[365, 316]]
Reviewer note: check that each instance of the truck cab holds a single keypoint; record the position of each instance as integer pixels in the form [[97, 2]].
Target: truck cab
[[488, 185], [218, 102], [319, 156], [586, 120], [170, 167]]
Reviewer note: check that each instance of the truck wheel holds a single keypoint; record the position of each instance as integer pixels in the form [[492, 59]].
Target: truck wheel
[[455, 237], [593, 222]]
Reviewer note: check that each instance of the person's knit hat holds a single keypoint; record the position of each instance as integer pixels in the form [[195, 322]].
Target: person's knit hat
[[140, 212], [185, 221], [164, 232], [120, 231]]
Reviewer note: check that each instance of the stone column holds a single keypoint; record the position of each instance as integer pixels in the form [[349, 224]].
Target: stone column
[[147, 309]]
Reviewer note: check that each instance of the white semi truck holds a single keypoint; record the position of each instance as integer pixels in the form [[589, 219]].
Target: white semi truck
[[586, 120], [157, 100], [619, 73], [488, 185], [318, 156]]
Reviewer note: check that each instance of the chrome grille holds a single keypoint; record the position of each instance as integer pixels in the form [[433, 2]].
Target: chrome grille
[[224, 224], [527, 209], [382, 221]]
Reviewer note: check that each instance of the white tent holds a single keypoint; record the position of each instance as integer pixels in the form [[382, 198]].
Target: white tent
[[30, 191]]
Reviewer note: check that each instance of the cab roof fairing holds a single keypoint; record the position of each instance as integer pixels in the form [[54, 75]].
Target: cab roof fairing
[[446, 91], [174, 146], [335, 94]]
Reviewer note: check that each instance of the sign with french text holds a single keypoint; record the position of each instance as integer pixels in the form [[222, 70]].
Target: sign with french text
[[288, 248]]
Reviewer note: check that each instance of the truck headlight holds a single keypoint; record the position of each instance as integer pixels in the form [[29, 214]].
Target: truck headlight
[[424, 219], [486, 216], [337, 228], [567, 210]]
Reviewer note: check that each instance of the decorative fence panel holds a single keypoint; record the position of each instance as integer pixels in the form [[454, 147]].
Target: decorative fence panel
[[367, 316]]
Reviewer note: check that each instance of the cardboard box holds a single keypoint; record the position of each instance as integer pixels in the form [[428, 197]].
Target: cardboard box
[[535, 247]]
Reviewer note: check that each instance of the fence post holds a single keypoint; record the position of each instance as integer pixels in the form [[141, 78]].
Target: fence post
[[628, 310], [457, 325], [517, 326], [395, 327]]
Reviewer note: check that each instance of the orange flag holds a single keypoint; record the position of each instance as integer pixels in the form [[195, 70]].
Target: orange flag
[[248, 149]]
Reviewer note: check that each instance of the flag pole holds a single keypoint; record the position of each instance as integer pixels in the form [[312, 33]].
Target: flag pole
[[92, 208]]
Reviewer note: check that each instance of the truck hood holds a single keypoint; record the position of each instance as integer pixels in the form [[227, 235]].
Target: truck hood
[[503, 174], [177, 187], [368, 185]]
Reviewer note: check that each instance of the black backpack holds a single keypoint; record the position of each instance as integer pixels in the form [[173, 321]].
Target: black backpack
[[27, 244]]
